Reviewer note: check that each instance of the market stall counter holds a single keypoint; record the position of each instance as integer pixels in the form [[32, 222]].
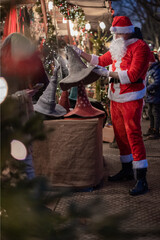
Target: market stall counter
[[71, 155]]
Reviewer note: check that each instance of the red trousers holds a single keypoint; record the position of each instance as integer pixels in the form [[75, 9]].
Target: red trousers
[[126, 120]]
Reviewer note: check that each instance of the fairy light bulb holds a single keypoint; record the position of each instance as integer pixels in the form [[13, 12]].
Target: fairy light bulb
[[88, 26], [102, 25]]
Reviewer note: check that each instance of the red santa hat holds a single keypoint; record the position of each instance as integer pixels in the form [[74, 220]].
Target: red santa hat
[[122, 24]]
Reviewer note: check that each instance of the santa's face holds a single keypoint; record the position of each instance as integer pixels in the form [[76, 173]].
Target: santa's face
[[124, 36]]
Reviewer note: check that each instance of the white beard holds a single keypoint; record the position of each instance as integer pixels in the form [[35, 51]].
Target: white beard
[[118, 50]]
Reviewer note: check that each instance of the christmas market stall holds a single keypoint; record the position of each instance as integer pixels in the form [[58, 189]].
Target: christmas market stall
[[71, 154]]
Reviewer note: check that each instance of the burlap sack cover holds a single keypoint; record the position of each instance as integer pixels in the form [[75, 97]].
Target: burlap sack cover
[[71, 155]]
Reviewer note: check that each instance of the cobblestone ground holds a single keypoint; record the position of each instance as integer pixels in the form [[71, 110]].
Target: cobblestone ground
[[142, 212]]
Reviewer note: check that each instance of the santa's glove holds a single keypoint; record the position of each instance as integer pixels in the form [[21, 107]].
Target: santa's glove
[[77, 50], [101, 71], [147, 91]]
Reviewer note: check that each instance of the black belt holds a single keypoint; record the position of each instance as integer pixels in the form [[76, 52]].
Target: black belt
[[115, 80]]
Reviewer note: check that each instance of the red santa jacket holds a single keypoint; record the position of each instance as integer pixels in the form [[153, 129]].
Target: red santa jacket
[[130, 68]]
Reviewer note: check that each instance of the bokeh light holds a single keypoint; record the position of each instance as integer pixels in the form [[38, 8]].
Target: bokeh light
[[50, 5], [88, 26], [102, 25], [18, 150], [3, 89]]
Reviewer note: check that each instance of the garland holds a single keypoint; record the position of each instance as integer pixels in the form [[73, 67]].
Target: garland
[[39, 10], [50, 47], [69, 11]]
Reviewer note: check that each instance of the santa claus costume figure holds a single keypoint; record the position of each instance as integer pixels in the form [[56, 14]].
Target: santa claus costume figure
[[128, 58]]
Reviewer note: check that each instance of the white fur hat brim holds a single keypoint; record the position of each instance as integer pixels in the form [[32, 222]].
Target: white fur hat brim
[[127, 29]]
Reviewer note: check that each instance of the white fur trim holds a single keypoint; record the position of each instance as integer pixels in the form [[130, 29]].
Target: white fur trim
[[126, 158], [125, 97], [94, 60], [130, 41], [127, 29], [140, 164], [123, 76]]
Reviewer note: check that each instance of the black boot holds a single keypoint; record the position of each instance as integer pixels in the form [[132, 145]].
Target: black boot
[[141, 186], [125, 174], [149, 132], [155, 135]]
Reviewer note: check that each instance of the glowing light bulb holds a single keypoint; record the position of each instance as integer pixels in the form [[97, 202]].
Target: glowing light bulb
[[50, 5], [88, 26], [76, 33], [18, 150], [102, 25], [3, 89]]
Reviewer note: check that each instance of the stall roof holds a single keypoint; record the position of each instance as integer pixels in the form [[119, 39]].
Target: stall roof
[[18, 1], [95, 11]]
